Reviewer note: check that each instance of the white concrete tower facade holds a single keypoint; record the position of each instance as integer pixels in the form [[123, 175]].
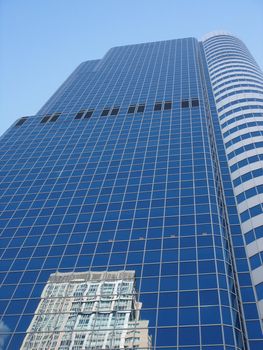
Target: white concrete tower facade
[[237, 83]]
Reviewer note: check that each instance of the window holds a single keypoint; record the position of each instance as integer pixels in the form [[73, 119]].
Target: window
[[185, 103], [88, 306], [88, 114], [115, 111], [105, 305], [54, 117], [131, 109], [259, 289], [45, 119], [168, 105], [124, 288], [83, 321], [107, 288], [76, 306], [120, 318], [21, 121], [79, 115], [122, 304], [70, 323], [92, 289], [80, 290], [102, 320], [158, 106], [105, 112], [140, 108], [195, 102]]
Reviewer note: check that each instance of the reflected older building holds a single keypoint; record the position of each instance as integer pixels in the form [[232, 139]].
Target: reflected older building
[[88, 310]]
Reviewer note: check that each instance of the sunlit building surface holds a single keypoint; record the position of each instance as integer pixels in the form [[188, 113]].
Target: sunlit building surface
[[147, 163]]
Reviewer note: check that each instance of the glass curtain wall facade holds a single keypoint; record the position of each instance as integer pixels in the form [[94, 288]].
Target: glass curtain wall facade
[[128, 169]]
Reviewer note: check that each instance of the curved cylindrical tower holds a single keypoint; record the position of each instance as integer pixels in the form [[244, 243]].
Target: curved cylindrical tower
[[237, 83]]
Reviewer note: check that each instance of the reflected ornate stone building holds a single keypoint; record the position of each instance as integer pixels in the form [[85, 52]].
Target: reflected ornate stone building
[[88, 310]]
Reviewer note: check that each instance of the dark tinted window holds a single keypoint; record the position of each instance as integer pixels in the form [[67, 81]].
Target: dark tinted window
[[79, 115], [185, 103], [167, 105], [45, 119], [158, 106], [115, 111], [140, 108], [88, 114], [54, 117], [105, 112], [21, 121], [195, 102], [131, 109]]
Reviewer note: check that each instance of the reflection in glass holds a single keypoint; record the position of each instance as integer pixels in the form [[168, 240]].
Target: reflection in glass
[[88, 310]]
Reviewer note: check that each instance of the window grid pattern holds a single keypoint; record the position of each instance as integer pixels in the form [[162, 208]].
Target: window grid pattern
[[129, 192]]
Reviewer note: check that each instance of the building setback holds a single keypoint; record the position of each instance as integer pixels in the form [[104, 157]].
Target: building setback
[[143, 170]]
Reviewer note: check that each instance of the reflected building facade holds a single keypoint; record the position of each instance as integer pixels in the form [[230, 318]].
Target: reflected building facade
[[147, 162], [93, 310]]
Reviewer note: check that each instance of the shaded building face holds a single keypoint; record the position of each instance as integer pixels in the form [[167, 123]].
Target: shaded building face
[[127, 168]]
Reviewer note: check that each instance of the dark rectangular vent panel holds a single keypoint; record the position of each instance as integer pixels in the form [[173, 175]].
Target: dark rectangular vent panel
[[140, 108], [115, 111], [21, 121], [88, 114], [158, 106], [195, 102], [167, 105], [45, 119], [105, 112], [185, 104], [54, 117], [79, 115], [131, 109]]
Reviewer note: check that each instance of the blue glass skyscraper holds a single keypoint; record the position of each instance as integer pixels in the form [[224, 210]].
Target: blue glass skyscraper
[[131, 204]]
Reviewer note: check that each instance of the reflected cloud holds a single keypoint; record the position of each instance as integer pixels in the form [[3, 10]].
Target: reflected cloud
[[3, 329]]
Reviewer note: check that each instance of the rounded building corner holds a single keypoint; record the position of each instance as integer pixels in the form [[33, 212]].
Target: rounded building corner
[[215, 33]]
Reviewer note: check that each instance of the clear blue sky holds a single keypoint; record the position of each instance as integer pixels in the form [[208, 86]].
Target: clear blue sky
[[42, 41]]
